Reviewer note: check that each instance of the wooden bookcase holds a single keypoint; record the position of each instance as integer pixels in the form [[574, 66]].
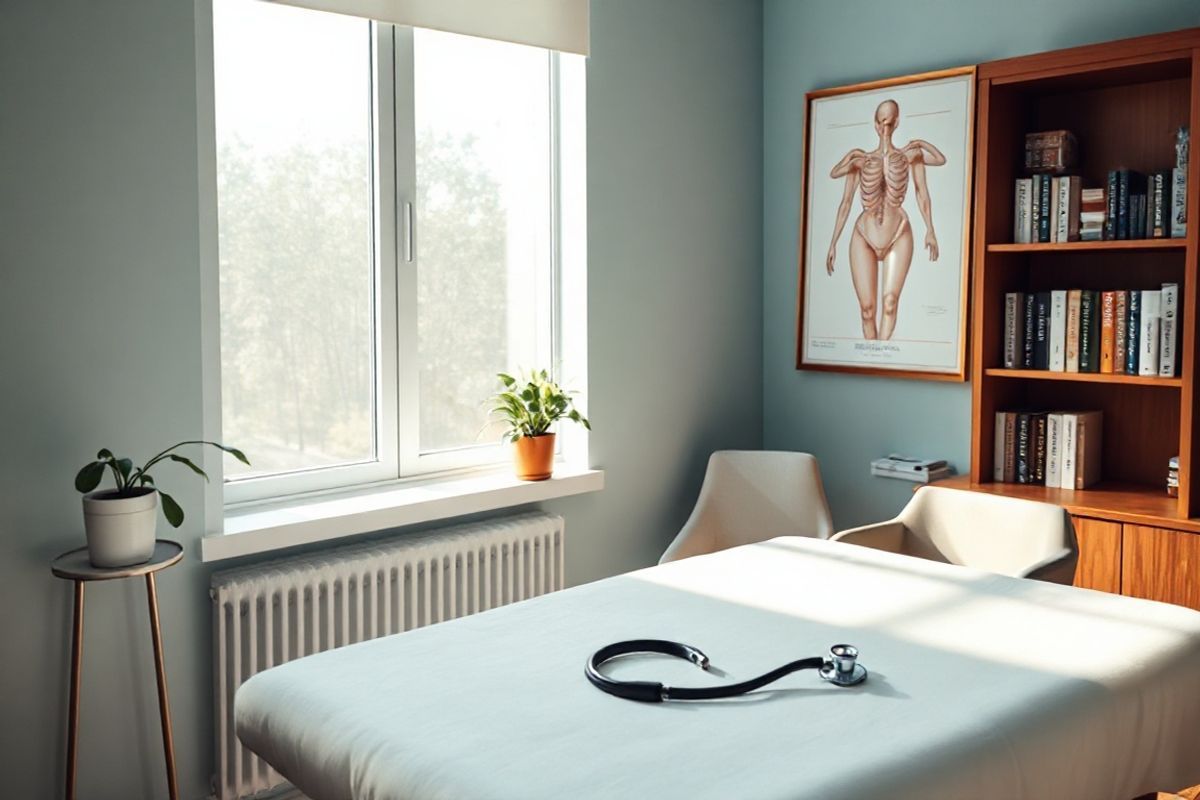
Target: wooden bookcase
[[1124, 101]]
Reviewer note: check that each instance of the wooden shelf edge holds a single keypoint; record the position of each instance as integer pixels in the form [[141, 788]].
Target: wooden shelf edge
[[1084, 377], [1119, 502], [1093, 247]]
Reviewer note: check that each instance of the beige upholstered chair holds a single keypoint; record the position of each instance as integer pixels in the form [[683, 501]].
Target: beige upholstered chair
[[753, 495], [1021, 538]]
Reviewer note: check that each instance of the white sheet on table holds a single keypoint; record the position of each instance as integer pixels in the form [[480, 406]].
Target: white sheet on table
[[981, 686]]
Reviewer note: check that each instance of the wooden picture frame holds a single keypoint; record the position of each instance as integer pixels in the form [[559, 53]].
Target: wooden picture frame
[[921, 334]]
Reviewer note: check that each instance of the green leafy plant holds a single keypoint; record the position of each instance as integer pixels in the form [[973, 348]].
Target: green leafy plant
[[130, 482], [530, 405]]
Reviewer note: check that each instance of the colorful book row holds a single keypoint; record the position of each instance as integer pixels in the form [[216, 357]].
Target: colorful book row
[[1082, 330], [1058, 449]]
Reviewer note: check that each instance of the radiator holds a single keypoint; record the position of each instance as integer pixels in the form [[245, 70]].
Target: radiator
[[268, 614]]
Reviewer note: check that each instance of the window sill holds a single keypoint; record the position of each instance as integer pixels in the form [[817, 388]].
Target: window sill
[[262, 529]]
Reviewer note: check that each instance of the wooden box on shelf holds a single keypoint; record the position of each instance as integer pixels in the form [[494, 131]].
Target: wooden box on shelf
[[1124, 101]]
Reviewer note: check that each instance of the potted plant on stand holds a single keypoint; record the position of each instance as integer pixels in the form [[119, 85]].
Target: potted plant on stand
[[530, 407], [120, 523]]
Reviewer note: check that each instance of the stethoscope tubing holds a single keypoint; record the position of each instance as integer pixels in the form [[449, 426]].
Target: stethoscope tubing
[[655, 692]]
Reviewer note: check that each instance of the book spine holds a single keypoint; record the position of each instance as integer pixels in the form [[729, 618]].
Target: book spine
[[1087, 449], [1062, 216], [1010, 447], [1120, 335], [1039, 449], [1058, 330], [998, 448], [1110, 219], [1132, 330], [1167, 330], [1023, 457], [1023, 211], [1108, 334], [1041, 345], [1123, 204], [1074, 201], [1073, 303], [1088, 356], [1011, 326], [1044, 207], [1035, 206], [1053, 450], [1178, 224], [1148, 335], [1067, 478], [1158, 210], [1029, 318], [1055, 203]]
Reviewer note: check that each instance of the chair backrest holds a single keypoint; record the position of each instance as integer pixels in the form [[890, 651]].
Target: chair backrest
[[752, 495], [1005, 535]]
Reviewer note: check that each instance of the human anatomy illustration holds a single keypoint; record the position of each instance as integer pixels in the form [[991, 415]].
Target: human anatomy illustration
[[881, 241]]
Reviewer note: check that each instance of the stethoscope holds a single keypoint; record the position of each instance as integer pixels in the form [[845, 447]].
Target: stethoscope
[[840, 667]]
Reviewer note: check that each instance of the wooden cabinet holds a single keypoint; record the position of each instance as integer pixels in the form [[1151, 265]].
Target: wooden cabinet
[[1099, 554], [1161, 564]]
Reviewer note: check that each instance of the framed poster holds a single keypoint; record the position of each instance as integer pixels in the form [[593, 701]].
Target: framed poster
[[885, 226]]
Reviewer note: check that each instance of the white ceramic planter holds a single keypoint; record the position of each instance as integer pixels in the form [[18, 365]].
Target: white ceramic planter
[[120, 530]]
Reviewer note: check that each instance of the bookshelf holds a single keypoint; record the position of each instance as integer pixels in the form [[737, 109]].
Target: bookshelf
[[1123, 101]]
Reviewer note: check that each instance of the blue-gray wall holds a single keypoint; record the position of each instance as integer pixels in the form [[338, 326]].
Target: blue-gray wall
[[848, 420], [100, 333]]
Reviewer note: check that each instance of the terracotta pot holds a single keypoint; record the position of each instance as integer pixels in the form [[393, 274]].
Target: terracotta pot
[[533, 457]]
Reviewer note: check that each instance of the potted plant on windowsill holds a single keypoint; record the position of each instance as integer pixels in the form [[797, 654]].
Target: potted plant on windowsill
[[120, 523], [530, 407]]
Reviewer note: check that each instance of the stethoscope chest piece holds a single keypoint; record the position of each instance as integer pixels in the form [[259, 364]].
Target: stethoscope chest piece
[[842, 668]]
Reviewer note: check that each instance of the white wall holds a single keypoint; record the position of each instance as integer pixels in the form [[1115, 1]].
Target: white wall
[[100, 333]]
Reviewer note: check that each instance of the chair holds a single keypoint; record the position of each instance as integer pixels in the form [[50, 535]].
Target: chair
[[752, 495], [1021, 538]]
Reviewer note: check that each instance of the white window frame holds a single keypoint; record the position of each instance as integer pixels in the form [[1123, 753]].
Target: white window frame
[[395, 331]]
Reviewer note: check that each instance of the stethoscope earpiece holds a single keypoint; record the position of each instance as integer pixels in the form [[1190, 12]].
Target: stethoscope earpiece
[[841, 668]]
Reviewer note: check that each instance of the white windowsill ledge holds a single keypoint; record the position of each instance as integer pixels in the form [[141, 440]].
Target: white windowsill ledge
[[260, 530]]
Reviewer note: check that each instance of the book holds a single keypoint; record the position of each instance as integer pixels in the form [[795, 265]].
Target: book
[[1052, 151], [998, 447], [1058, 331], [1067, 468], [1137, 215], [1123, 204], [1178, 203], [1160, 213], [1167, 329], [1089, 330], [1041, 331], [1148, 332], [1029, 320], [1108, 333], [1038, 446], [1024, 436], [1023, 211], [1069, 189], [1035, 206], [1074, 300], [1054, 423], [1110, 215], [1010, 447], [1121, 324], [1014, 329], [1088, 448], [1093, 212], [1055, 182], [1043, 184], [1132, 330]]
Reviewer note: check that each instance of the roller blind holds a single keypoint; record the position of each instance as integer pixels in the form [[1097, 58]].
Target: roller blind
[[552, 24]]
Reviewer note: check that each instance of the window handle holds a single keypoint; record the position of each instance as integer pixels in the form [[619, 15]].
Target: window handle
[[409, 232]]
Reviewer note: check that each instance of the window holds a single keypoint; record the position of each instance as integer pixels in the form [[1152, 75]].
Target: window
[[389, 208]]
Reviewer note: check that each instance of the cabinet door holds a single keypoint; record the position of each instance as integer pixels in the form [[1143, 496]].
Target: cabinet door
[[1099, 554], [1160, 564]]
